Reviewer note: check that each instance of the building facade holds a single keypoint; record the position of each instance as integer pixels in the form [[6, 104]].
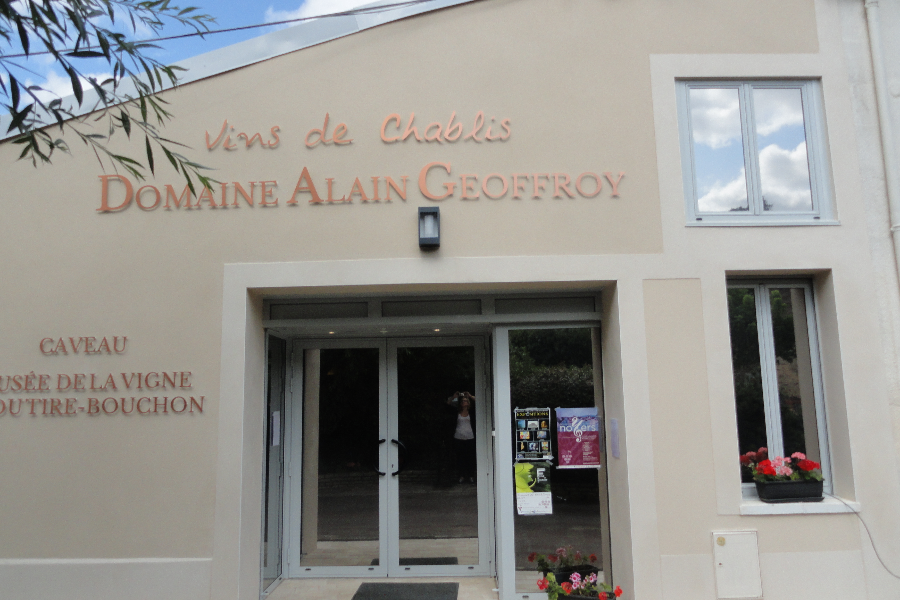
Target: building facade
[[206, 395]]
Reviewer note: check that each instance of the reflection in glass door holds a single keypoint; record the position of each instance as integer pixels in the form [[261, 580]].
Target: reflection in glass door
[[341, 477], [437, 399], [390, 469]]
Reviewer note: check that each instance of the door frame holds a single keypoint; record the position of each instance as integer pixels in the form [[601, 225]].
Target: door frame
[[388, 455]]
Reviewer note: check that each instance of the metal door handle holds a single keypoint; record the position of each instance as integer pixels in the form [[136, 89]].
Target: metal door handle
[[401, 446], [380, 473]]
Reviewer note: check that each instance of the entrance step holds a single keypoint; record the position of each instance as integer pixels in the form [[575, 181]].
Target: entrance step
[[470, 588]]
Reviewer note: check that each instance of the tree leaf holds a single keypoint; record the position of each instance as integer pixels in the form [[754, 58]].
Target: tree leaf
[[126, 122], [76, 86], [149, 154]]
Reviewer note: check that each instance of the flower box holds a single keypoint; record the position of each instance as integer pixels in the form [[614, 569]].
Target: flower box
[[564, 574], [775, 492]]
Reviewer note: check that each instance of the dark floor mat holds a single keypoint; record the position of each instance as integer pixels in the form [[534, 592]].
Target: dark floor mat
[[407, 591], [418, 562]]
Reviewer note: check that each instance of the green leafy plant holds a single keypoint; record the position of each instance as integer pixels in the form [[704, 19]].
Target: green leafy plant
[[72, 32], [577, 586]]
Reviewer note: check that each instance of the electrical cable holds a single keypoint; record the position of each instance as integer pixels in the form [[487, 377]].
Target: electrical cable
[[869, 533], [346, 13]]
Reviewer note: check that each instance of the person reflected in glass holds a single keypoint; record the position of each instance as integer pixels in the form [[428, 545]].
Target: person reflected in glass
[[463, 404]]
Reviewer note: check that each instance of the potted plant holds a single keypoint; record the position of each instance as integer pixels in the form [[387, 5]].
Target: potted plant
[[784, 479], [564, 562], [578, 588]]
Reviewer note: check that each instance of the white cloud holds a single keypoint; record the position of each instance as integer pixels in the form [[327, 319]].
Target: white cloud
[[313, 8], [715, 117], [60, 86], [785, 183], [785, 178], [723, 197], [776, 108]]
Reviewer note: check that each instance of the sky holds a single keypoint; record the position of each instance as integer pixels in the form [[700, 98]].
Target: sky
[[228, 14]]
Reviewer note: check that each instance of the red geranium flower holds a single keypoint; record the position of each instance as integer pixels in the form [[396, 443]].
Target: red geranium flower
[[552, 558], [745, 459], [566, 587], [762, 453], [808, 465], [542, 584], [532, 556], [592, 558], [602, 595], [618, 591]]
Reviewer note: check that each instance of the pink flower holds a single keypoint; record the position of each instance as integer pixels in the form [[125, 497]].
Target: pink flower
[[592, 578], [798, 456], [778, 462], [575, 578], [561, 552], [783, 470]]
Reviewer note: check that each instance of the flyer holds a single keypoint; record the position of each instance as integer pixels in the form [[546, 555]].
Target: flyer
[[578, 437], [532, 434], [533, 496]]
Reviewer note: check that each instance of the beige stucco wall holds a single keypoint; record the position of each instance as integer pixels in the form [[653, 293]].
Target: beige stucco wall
[[587, 86]]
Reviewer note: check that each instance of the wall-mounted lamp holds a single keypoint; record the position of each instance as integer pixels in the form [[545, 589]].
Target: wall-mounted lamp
[[429, 227]]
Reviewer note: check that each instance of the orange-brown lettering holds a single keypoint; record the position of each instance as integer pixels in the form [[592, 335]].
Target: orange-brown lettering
[[423, 181], [467, 187], [476, 127], [267, 193], [597, 180], [484, 186], [219, 138], [452, 131], [239, 189], [564, 186], [411, 129], [305, 184], [331, 198], [390, 184], [357, 189], [519, 187], [392, 117], [614, 184], [104, 193], [539, 186], [185, 197]]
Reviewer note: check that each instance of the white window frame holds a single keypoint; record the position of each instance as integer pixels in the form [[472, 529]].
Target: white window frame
[[771, 399], [816, 146]]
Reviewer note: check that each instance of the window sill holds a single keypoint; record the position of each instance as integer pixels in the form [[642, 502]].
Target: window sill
[[712, 221], [752, 507]]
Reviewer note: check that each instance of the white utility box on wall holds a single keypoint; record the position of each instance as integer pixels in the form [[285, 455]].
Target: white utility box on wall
[[737, 565]]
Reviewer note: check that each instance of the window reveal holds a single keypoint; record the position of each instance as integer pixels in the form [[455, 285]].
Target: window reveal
[[777, 381]]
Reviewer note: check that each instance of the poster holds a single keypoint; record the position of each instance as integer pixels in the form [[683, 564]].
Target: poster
[[532, 434], [578, 437], [533, 495]]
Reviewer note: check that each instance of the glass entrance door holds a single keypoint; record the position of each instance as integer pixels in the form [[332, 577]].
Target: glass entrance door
[[390, 459]]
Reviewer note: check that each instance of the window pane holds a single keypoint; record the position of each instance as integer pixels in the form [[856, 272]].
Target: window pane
[[748, 385], [721, 183], [781, 143], [793, 367]]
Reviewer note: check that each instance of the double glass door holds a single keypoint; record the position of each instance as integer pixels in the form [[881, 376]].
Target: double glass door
[[390, 468]]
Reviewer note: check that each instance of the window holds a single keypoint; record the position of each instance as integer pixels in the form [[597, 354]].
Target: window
[[753, 153], [777, 377]]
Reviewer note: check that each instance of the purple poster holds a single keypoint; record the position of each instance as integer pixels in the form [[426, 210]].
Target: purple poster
[[578, 438]]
